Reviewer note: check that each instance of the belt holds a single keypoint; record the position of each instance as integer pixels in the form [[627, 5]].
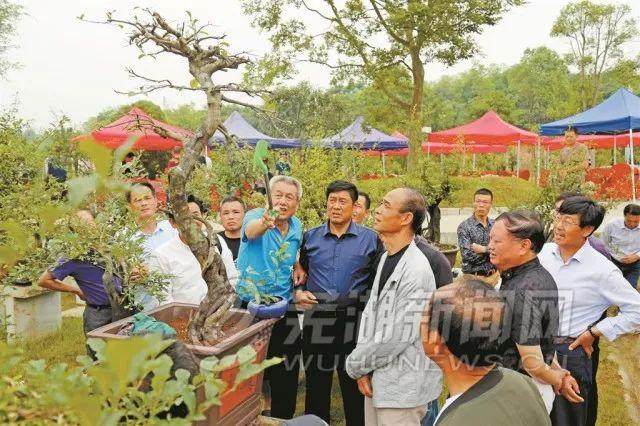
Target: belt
[[561, 340], [98, 307]]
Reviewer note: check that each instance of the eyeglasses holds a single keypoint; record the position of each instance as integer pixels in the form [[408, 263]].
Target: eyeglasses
[[564, 220]]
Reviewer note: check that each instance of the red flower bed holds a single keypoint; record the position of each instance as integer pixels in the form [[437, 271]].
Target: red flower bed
[[613, 183]]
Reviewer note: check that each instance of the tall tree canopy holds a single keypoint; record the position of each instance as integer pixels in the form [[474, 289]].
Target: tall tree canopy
[[596, 34], [9, 14], [381, 41]]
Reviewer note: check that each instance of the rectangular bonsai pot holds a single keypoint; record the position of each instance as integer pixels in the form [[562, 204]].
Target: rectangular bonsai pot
[[240, 406]]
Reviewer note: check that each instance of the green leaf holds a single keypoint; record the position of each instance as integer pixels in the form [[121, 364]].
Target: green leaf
[[100, 156], [208, 363], [246, 354], [260, 152], [81, 187], [121, 152], [194, 84]]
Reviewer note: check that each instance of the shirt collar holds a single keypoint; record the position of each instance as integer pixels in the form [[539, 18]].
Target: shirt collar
[[351, 230], [623, 226], [477, 222], [510, 273], [580, 255]]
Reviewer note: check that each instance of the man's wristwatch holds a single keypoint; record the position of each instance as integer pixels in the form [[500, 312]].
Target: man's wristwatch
[[589, 329]]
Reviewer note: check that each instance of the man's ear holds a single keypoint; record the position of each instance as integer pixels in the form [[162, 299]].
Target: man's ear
[[407, 218], [587, 231]]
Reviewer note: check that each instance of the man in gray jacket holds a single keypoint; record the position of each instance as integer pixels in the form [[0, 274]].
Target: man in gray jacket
[[389, 363]]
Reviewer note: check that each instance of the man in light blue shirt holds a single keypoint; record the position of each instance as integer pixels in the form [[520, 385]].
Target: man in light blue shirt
[[588, 284], [622, 239], [268, 251]]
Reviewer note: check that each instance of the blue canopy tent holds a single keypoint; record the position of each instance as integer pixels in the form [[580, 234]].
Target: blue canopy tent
[[619, 113], [357, 136], [246, 134]]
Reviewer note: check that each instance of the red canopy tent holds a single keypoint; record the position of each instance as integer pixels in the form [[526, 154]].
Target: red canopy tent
[[446, 148], [139, 125], [489, 129]]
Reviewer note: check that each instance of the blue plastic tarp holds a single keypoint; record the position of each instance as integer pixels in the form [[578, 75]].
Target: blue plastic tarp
[[357, 136], [618, 113], [246, 134]]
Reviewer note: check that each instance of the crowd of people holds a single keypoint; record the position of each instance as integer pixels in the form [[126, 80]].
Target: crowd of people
[[514, 338]]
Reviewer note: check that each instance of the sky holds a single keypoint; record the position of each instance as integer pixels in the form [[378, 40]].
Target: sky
[[71, 67]]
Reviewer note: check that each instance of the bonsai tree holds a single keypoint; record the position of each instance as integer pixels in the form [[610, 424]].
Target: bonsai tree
[[433, 180], [207, 56]]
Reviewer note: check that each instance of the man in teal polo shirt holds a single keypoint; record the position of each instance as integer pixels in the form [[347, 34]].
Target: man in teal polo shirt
[[268, 251]]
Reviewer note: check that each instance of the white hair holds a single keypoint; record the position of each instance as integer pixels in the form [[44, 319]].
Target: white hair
[[289, 181]]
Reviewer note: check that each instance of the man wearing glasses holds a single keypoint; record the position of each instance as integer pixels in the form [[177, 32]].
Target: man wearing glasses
[[588, 284], [473, 239]]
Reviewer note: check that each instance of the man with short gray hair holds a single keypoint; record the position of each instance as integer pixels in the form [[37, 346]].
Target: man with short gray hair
[[263, 234]]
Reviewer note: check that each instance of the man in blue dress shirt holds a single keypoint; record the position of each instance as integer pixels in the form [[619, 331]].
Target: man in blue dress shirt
[[339, 260]]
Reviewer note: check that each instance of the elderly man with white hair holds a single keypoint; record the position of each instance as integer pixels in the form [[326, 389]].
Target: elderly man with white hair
[[268, 249]]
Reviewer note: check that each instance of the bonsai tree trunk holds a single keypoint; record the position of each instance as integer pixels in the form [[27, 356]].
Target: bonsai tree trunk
[[204, 326], [433, 229]]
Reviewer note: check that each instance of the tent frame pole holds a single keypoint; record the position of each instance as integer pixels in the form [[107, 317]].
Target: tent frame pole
[[538, 162], [633, 175], [384, 164], [518, 160]]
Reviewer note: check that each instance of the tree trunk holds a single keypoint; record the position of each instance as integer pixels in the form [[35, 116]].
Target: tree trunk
[[415, 114], [433, 229], [204, 325]]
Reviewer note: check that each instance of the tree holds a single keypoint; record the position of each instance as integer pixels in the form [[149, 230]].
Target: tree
[[381, 41], [541, 86], [305, 112], [187, 116], [596, 34], [9, 14], [207, 55]]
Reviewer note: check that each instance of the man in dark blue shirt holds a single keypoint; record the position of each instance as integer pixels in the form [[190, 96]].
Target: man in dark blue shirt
[[339, 259]]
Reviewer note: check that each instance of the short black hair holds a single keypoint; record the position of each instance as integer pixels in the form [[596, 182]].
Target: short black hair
[[632, 209], [342, 185], [590, 212], [232, 199], [193, 199], [367, 199], [483, 191], [127, 194], [469, 317], [524, 225], [567, 194], [415, 204]]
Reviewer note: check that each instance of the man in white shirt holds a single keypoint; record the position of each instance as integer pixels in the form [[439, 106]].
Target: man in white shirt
[[588, 284], [622, 239], [197, 209], [142, 201]]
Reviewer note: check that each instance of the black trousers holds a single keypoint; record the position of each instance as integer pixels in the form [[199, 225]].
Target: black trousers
[[283, 377], [329, 336], [565, 413]]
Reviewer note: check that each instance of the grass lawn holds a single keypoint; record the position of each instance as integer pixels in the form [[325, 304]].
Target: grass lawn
[[508, 192], [618, 376]]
